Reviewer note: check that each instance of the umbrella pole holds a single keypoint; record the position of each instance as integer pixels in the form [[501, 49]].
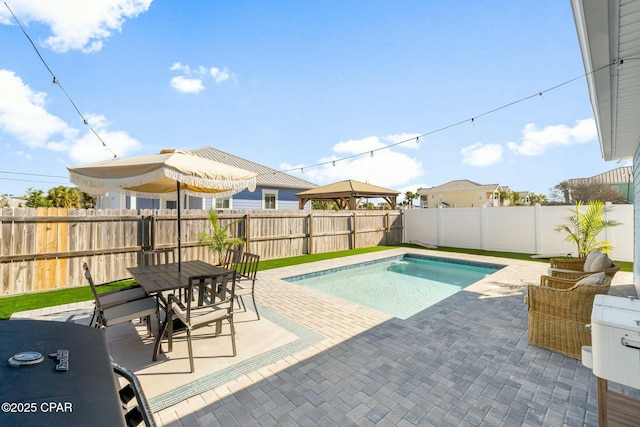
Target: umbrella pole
[[179, 243]]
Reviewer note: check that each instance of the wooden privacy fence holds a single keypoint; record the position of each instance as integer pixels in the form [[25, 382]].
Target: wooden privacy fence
[[44, 248]]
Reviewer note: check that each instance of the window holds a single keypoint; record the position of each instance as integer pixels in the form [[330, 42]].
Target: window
[[479, 195], [269, 199], [223, 203]]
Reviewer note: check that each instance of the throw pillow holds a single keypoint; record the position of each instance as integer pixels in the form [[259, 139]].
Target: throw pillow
[[601, 263], [592, 279], [590, 258]]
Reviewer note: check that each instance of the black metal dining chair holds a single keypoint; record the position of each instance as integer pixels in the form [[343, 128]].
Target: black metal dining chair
[[109, 312], [247, 269], [193, 316]]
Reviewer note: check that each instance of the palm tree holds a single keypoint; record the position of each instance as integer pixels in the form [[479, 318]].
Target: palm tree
[[409, 197], [218, 241], [64, 197], [583, 228]]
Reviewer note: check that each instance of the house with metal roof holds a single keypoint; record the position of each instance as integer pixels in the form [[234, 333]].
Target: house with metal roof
[[619, 179], [274, 190], [461, 193]]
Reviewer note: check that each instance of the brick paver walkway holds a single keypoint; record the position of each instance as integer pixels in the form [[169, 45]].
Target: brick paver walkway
[[463, 362]]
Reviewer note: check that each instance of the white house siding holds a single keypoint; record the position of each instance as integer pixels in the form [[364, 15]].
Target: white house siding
[[636, 218]]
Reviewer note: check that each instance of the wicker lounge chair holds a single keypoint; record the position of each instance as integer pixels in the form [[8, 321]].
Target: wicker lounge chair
[[559, 309], [575, 268]]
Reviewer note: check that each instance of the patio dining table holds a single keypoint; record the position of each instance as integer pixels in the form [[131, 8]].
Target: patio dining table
[[156, 279]]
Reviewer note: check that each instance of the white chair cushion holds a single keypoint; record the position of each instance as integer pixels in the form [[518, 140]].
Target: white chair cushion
[[592, 279], [601, 263], [590, 258]]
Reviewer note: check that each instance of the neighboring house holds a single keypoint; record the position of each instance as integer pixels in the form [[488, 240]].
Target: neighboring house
[[460, 193], [274, 190], [609, 37], [620, 179]]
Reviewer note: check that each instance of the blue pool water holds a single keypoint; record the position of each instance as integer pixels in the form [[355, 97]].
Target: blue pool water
[[399, 286]]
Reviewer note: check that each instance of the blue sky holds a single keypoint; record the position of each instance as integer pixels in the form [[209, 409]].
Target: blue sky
[[292, 84]]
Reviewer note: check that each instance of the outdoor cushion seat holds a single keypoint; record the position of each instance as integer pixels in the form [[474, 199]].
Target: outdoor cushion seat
[[126, 312], [114, 314], [560, 309], [120, 296]]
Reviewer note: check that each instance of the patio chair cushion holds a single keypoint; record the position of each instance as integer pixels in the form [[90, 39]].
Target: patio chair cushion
[[589, 260], [601, 262], [592, 279]]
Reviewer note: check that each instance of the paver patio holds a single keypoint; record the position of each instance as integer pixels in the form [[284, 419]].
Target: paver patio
[[462, 362]]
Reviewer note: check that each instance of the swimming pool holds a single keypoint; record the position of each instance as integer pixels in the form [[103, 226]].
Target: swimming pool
[[400, 286]]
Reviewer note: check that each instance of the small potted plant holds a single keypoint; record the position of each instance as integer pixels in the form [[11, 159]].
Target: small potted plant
[[219, 240], [584, 227]]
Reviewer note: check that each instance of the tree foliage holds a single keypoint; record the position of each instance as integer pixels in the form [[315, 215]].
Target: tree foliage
[[219, 240], [324, 205], [567, 194], [59, 197], [409, 197], [37, 199], [584, 227]]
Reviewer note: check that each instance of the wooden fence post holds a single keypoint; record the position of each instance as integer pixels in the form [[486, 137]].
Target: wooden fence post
[[247, 232], [310, 238], [353, 230]]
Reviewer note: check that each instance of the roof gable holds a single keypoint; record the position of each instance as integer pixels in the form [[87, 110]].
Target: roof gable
[[621, 175], [460, 185]]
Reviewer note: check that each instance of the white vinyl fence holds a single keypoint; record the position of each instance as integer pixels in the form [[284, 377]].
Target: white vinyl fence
[[524, 229]]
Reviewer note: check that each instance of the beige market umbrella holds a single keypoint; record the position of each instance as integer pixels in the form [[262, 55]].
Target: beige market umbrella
[[157, 175]]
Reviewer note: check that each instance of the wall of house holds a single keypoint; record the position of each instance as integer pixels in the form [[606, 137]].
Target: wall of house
[[524, 229], [245, 200]]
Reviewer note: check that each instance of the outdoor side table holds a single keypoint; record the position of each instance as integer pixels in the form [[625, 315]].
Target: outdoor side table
[[44, 394]]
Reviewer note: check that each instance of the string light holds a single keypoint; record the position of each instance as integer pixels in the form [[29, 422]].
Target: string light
[[56, 81], [472, 120]]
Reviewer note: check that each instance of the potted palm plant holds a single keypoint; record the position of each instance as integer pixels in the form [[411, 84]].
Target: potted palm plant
[[219, 240], [583, 227]]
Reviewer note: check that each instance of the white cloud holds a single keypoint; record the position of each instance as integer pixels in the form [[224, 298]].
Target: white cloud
[[177, 66], [187, 85], [192, 79], [24, 117], [481, 155], [219, 75], [23, 113], [535, 141], [76, 24], [386, 168]]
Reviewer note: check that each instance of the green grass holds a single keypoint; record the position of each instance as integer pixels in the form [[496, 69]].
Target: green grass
[[14, 304]]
